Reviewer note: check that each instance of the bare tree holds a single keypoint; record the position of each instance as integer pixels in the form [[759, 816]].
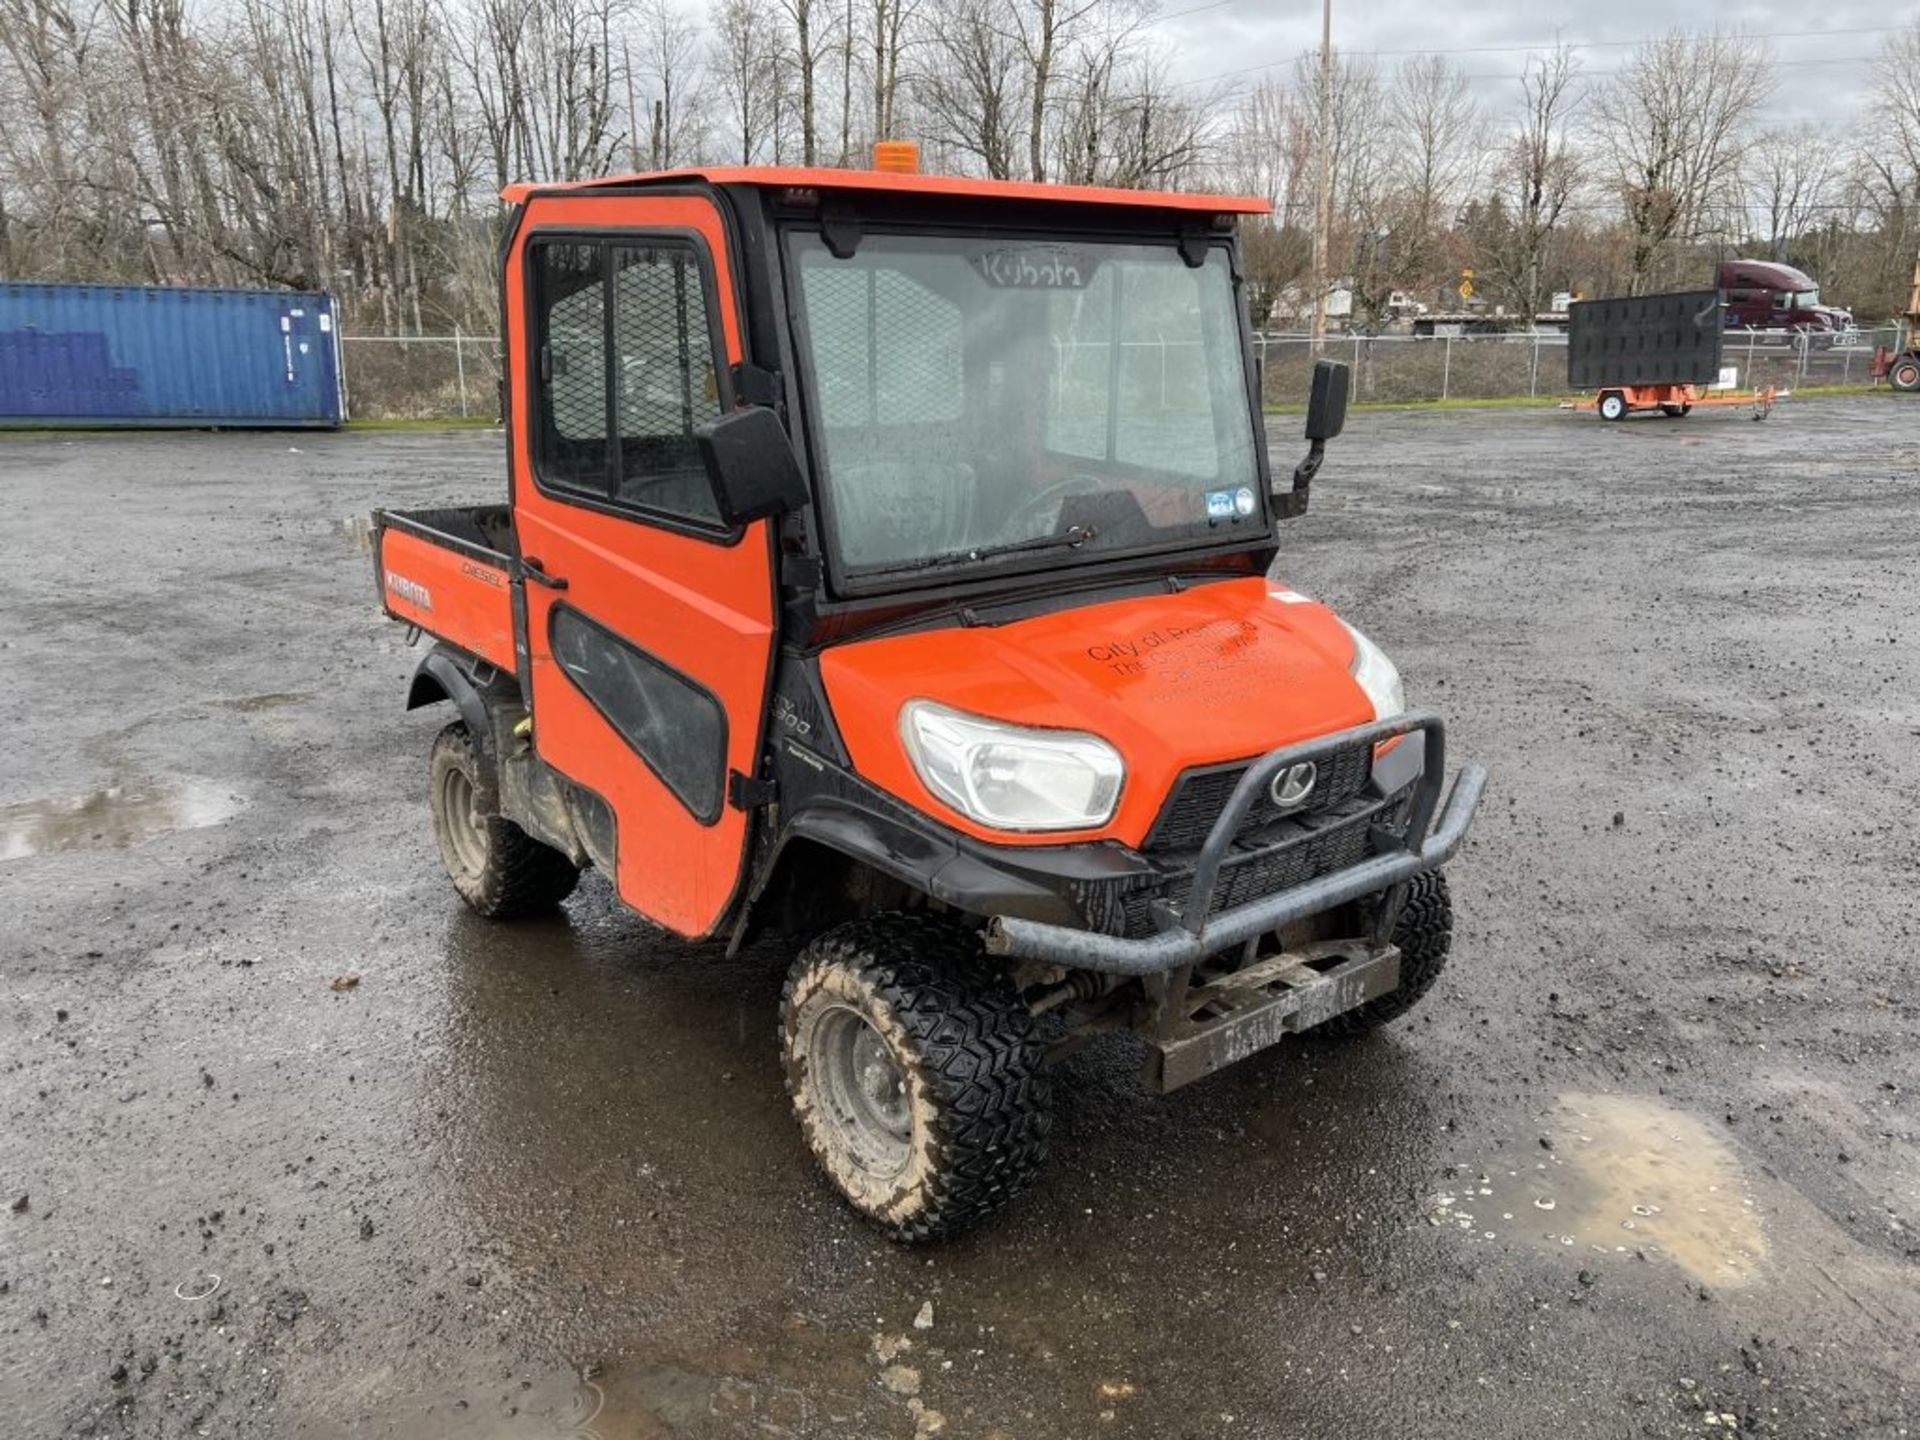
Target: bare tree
[[1536, 175], [1673, 126], [812, 23], [1792, 182], [1265, 151], [972, 93], [746, 64], [670, 43], [1440, 140]]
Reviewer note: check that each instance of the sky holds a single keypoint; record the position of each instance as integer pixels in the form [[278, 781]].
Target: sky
[[1821, 68]]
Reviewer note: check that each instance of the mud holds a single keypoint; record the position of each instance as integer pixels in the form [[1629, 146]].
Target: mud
[[540, 1180]]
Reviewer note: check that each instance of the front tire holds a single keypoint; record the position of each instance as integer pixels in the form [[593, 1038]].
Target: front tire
[[1424, 933], [1613, 406], [501, 871], [1905, 374], [915, 1072]]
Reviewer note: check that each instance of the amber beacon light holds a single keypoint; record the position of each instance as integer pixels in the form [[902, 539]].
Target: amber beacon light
[[896, 157]]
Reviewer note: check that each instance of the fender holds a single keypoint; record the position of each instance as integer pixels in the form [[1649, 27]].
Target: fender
[[936, 863], [442, 675]]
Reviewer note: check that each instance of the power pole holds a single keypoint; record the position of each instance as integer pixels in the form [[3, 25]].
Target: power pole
[[1323, 179]]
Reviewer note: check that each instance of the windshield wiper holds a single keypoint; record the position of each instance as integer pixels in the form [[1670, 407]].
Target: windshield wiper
[[1071, 538]]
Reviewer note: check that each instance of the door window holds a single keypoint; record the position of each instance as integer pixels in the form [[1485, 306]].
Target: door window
[[627, 369]]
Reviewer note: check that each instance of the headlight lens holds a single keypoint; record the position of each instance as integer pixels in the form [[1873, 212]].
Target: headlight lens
[[1009, 777], [1377, 675]]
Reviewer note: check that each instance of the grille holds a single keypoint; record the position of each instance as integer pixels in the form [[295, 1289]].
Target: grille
[[1200, 795], [1316, 846]]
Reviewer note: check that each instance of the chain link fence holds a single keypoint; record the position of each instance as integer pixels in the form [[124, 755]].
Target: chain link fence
[[422, 377], [448, 377], [1413, 368]]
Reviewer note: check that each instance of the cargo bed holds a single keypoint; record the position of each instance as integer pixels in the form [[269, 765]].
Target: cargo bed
[[449, 570]]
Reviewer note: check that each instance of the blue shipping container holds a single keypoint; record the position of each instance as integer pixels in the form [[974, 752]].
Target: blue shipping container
[[151, 355]]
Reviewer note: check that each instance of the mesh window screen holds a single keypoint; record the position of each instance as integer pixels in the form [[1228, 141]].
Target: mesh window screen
[[888, 348], [1166, 412], [573, 312], [659, 373], [663, 352]]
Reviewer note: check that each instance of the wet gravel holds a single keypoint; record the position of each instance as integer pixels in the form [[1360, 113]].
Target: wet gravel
[[1644, 1164]]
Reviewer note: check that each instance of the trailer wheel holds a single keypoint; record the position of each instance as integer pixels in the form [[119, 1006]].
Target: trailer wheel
[[1424, 933], [1613, 406], [915, 1072], [1676, 412], [1905, 374], [499, 869]]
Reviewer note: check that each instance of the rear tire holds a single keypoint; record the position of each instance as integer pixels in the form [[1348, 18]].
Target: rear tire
[[1676, 412], [501, 871], [1613, 406], [915, 1072], [1905, 374], [1424, 933]]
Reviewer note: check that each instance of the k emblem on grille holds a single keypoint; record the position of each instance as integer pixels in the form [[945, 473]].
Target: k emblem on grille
[[1294, 784]]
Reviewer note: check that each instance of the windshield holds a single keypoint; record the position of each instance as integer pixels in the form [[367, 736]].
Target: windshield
[[980, 397]]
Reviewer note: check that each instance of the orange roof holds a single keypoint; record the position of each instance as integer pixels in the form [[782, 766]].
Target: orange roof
[[876, 180]]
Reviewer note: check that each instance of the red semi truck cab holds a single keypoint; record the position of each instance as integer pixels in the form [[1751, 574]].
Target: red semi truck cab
[[1764, 295], [888, 562]]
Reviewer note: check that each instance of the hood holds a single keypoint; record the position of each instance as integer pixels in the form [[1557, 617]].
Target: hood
[[1225, 671]]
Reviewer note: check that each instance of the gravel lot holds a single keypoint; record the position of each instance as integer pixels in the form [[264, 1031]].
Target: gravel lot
[[1647, 1162]]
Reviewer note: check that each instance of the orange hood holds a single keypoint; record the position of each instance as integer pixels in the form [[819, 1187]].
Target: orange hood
[[1225, 671]]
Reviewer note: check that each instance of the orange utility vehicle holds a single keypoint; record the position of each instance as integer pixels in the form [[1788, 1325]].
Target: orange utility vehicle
[[887, 564]]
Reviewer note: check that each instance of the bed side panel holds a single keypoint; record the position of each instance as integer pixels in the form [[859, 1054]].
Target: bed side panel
[[454, 597]]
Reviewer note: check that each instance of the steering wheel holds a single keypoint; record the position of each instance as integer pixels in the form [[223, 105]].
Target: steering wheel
[[1031, 511]]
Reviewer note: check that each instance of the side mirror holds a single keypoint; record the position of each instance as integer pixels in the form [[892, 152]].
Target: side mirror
[[1327, 405], [1326, 417], [751, 465]]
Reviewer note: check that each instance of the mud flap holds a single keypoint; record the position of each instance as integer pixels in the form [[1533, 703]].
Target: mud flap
[[1217, 1020]]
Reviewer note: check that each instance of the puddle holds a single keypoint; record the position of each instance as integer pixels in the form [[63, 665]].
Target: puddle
[[252, 704], [728, 1390], [357, 530], [1627, 1177], [113, 818]]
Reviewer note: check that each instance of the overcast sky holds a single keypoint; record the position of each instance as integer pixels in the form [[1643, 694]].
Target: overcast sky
[[1819, 75]]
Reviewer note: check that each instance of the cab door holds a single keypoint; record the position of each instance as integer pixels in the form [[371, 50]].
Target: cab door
[[649, 625]]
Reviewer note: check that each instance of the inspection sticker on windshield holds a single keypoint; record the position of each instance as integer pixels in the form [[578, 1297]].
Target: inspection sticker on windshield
[[1230, 504]]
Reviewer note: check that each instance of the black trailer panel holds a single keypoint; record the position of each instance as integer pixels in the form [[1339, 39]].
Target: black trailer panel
[[1644, 340]]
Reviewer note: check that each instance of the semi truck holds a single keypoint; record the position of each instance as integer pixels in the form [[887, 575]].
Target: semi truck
[[1765, 295], [859, 587]]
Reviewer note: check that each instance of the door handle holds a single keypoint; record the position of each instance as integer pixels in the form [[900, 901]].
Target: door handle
[[530, 567]]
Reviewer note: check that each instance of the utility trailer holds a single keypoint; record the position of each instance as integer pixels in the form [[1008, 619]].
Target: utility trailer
[[858, 584], [1652, 354]]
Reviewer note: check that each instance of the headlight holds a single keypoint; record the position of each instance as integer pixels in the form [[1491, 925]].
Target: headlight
[[1377, 675], [1009, 777]]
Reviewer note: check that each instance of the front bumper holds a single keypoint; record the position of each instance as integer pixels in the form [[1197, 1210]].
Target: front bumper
[[1189, 932]]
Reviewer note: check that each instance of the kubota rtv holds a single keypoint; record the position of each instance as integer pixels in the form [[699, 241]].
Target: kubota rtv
[[889, 562]]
